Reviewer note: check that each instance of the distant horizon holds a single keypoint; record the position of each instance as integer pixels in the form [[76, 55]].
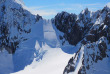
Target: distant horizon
[[48, 9]]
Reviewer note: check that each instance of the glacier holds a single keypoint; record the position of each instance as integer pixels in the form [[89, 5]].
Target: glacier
[[66, 44]]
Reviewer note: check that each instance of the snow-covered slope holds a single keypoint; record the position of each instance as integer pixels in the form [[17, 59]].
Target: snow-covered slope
[[91, 58], [6, 62], [95, 46], [41, 53], [36, 37], [52, 62], [31, 44], [16, 26]]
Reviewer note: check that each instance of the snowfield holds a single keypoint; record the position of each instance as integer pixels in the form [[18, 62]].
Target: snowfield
[[53, 62], [43, 49]]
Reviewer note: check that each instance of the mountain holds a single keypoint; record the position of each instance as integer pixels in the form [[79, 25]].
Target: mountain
[[15, 24], [94, 54], [66, 44]]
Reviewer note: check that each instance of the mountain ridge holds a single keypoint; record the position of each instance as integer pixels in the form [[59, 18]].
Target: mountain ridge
[[29, 38]]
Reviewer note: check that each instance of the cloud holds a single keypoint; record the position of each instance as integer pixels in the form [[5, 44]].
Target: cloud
[[44, 12], [52, 10], [108, 4]]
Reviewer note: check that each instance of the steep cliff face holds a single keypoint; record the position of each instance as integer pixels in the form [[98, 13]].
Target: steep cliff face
[[17, 25], [74, 27], [15, 21], [93, 56], [27, 39]]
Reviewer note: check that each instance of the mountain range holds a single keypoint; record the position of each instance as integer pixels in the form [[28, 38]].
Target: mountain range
[[65, 44]]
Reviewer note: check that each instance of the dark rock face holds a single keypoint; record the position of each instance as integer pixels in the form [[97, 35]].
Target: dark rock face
[[70, 26], [38, 17], [66, 23], [103, 49], [71, 64], [95, 39], [68, 67], [91, 38], [91, 29], [76, 27], [93, 53]]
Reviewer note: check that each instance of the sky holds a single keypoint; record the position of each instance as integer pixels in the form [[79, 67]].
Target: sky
[[49, 8]]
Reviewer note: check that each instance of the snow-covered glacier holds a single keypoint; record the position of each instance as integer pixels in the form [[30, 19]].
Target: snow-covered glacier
[[66, 44], [39, 47]]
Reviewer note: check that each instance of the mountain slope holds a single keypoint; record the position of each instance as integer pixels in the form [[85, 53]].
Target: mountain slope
[[32, 33], [45, 56], [16, 23], [52, 62], [93, 56], [31, 44]]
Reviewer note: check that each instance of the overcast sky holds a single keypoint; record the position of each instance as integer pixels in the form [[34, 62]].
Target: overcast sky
[[49, 8]]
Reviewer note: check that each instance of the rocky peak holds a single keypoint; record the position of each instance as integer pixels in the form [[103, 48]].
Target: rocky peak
[[19, 20], [73, 26], [95, 46], [85, 16], [85, 11], [91, 54]]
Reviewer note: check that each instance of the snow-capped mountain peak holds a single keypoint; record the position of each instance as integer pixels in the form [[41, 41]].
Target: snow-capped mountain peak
[[85, 10], [35, 45]]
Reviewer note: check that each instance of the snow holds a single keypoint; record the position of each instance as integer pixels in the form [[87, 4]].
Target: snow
[[37, 46], [81, 24], [105, 27], [19, 1], [6, 67], [101, 67], [53, 62], [30, 48], [42, 52], [50, 34], [67, 48], [99, 20], [79, 63]]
